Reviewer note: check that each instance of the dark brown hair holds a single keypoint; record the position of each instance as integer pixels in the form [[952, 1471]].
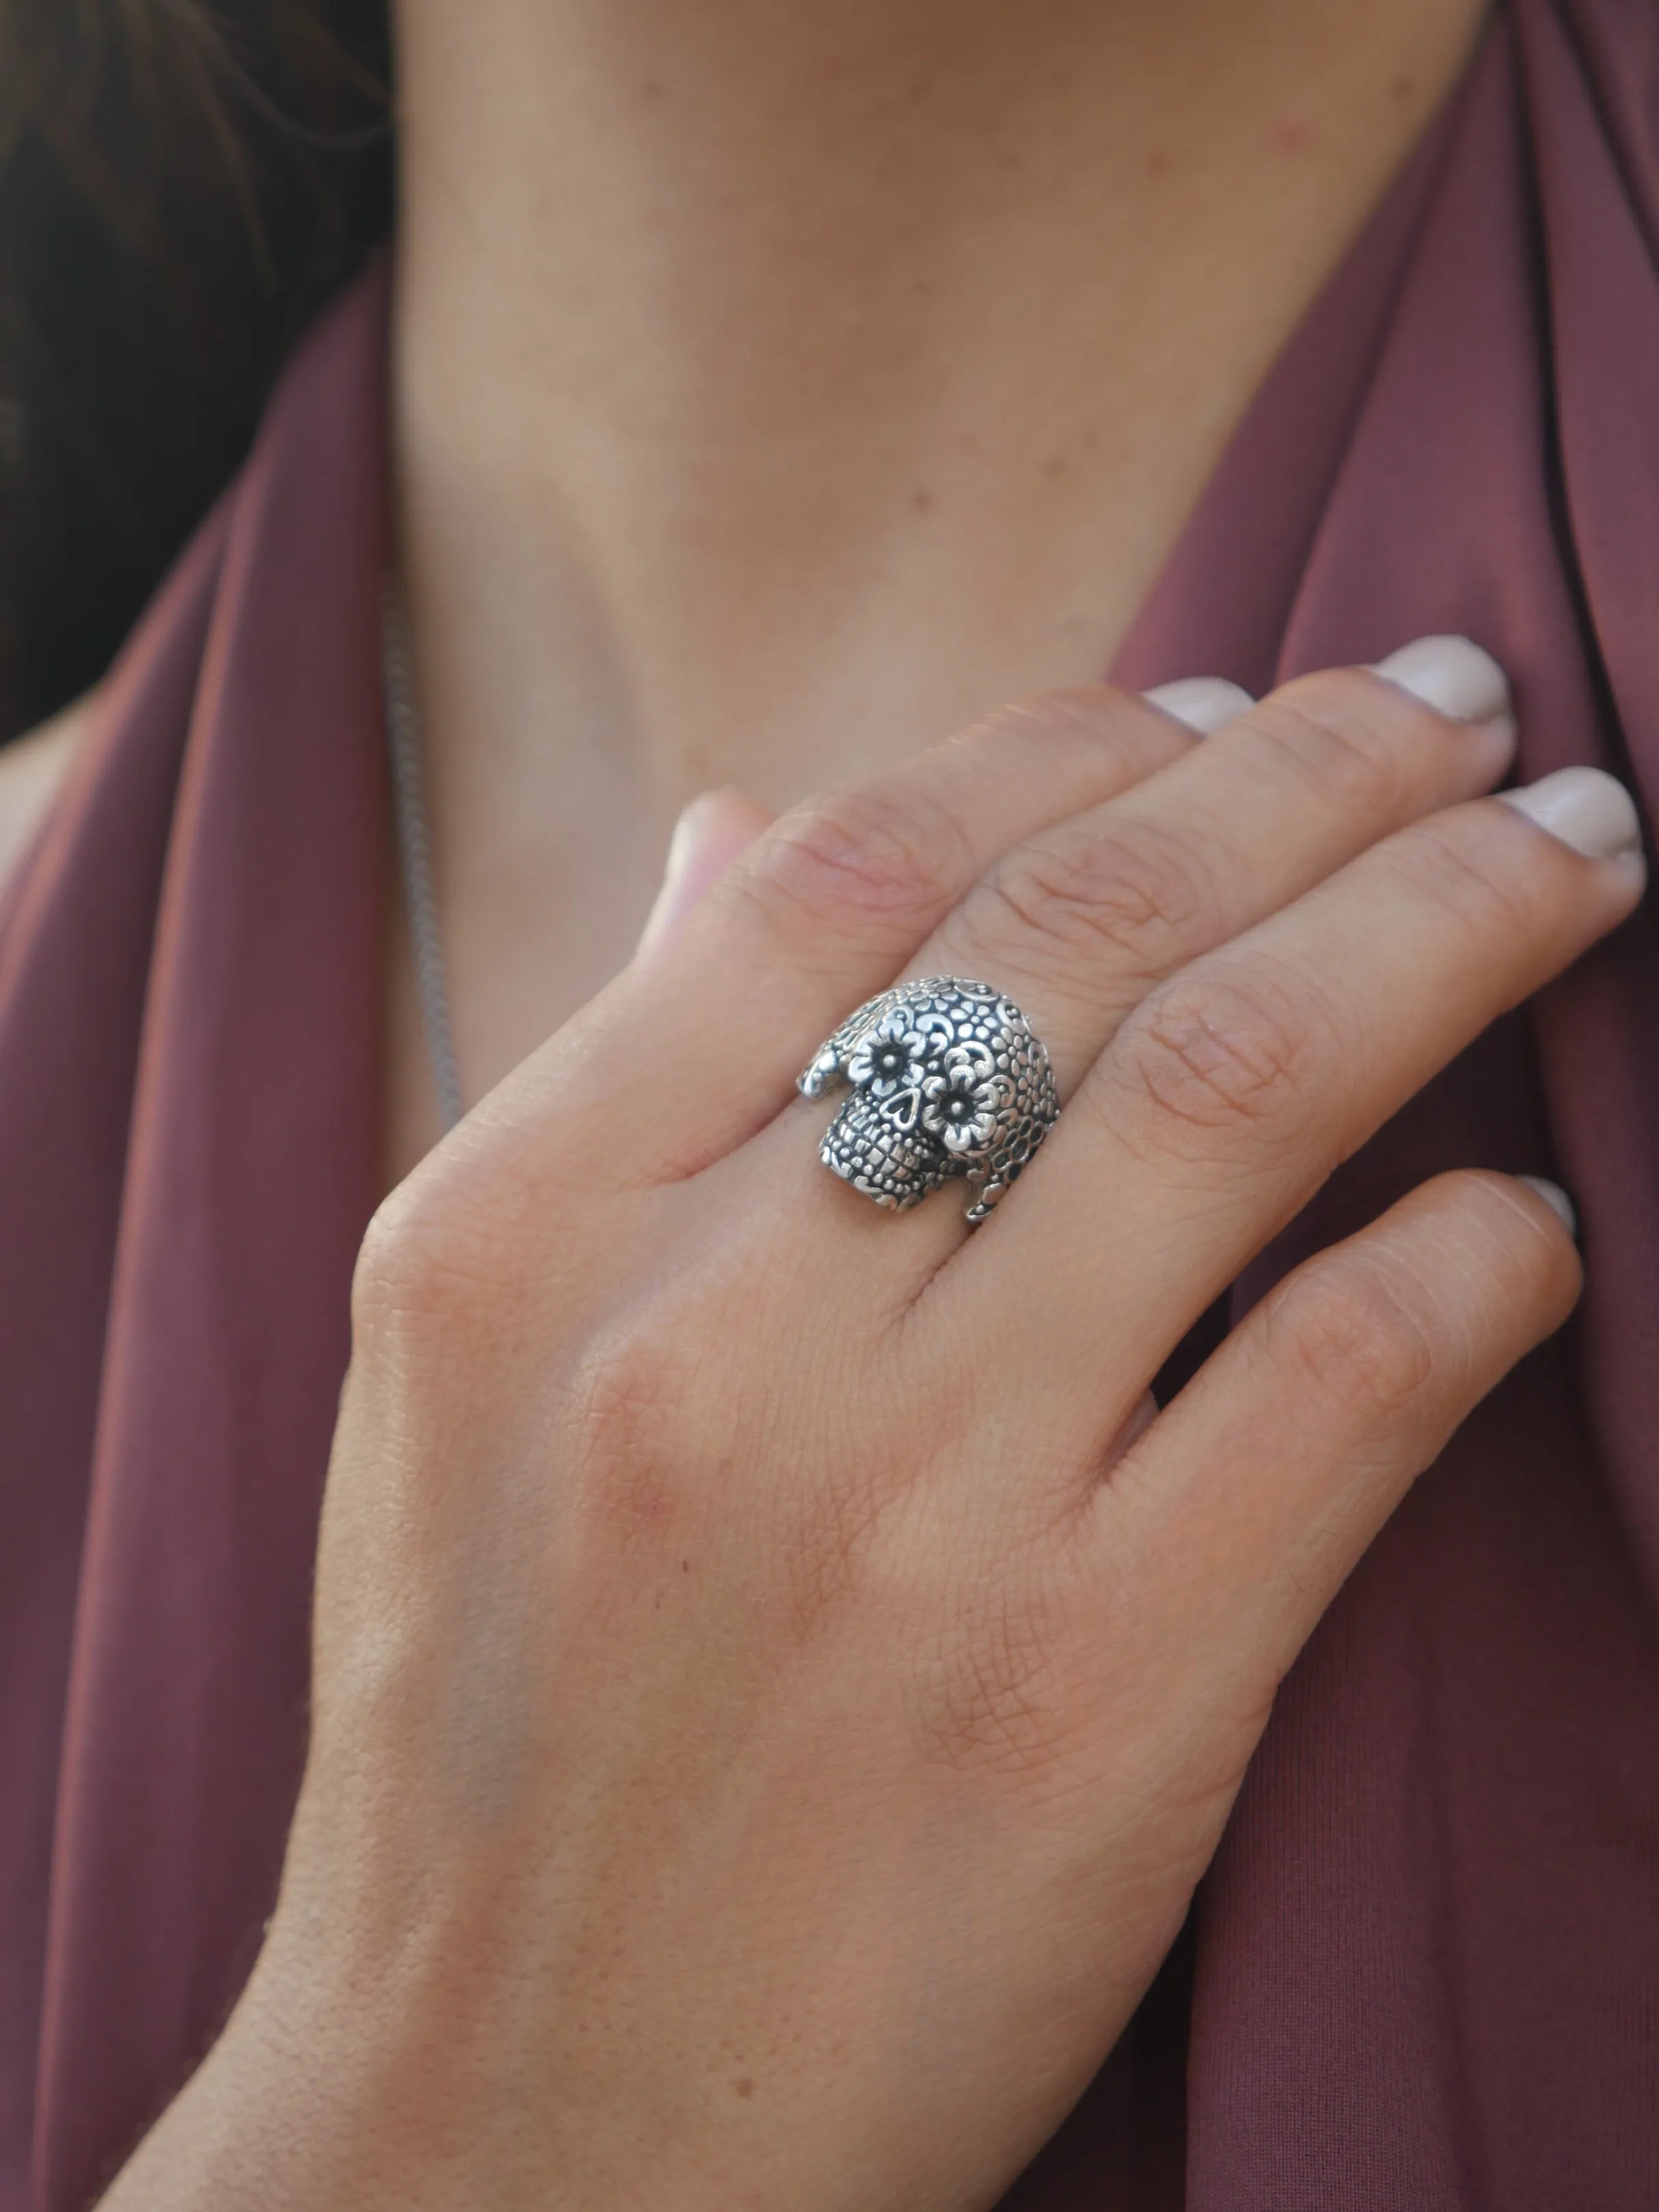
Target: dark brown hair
[[182, 184]]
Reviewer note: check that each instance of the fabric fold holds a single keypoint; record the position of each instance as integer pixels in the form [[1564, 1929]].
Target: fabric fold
[[246, 1113]]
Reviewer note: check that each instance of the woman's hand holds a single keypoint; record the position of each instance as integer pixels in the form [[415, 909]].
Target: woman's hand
[[777, 1686]]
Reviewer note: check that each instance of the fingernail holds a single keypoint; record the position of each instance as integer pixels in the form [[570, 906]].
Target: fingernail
[[682, 844], [1452, 675], [708, 836], [683, 838], [1555, 1197], [1585, 808], [1204, 703]]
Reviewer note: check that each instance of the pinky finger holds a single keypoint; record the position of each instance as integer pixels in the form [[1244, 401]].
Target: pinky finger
[[1254, 1493]]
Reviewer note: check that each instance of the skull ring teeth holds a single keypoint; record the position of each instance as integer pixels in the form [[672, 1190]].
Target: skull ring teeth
[[948, 1079]]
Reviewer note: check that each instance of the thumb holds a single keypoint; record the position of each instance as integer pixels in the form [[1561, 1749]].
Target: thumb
[[708, 836]]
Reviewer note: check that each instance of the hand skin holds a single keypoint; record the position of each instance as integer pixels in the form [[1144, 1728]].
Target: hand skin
[[776, 1689]]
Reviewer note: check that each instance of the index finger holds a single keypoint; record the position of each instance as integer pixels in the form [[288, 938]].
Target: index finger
[[824, 909]]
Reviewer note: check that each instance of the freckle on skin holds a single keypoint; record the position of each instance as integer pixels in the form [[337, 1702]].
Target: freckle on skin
[[1158, 161], [1403, 85], [745, 2087], [685, 1566], [922, 501]]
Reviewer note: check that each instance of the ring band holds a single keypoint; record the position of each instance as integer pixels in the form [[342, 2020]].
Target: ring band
[[948, 1079]]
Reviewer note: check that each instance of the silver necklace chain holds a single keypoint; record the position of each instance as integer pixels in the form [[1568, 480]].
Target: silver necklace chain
[[414, 853]]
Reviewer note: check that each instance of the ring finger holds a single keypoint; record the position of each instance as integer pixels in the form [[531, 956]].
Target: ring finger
[[1079, 921]]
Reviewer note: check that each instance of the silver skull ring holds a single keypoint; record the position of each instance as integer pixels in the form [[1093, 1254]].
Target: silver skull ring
[[948, 1079]]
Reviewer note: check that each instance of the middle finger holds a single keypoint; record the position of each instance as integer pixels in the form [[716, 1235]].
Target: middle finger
[[1078, 923]]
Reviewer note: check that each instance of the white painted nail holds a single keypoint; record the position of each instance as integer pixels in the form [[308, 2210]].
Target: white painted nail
[[1555, 1197], [1452, 675], [1585, 808], [1204, 703]]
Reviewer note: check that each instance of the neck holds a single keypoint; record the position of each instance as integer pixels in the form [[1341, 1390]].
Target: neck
[[781, 385]]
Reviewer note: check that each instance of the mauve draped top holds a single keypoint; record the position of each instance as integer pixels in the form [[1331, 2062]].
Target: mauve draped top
[[1424, 1970]]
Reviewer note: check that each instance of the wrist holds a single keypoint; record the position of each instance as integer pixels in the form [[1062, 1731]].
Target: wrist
[[284, 2113]]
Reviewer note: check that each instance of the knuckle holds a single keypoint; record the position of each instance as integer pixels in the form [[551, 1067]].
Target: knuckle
[[1514, 1262], [624, 1392], [428, 1260], [1329, 729], [886, 852], [1138, 896], [1510, 1226], [1360, 1331], [644, 1446], [1468, 876], [1104, 722], [1089, 709], [388, 1261], [1223, 1053]]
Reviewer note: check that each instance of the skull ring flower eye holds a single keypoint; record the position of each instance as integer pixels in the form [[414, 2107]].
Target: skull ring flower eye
[[960, 1107], [947, 1081], [893, 1057]]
